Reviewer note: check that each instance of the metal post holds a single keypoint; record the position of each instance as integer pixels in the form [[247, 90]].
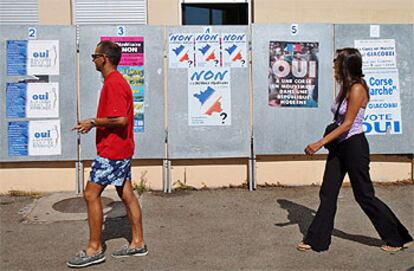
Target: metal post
[[77, 177], [250, 170], [81, 179], [169, 175], [164, 175], [412, 168], [254, 179], [252, 167]]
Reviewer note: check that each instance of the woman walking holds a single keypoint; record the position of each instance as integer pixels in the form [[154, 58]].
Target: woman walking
[[350, 155]]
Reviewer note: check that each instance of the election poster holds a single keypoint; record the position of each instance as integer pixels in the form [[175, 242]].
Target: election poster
[[234, 50], [32, 57], [181, 50], [32, 100], [34, 138], [377, 53], [209, 97], [383, 112], [131, 67], [293, 74], [207, 50]]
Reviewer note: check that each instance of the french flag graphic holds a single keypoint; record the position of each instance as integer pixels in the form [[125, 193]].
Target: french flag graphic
[[181, 54], [235, 52], [208, 53], [210, 101]]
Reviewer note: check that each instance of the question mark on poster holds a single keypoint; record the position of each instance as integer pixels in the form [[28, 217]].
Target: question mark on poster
[[224, 117], [243, 61], [190, 62]]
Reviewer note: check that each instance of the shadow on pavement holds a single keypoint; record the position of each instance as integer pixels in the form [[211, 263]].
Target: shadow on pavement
[[116, 224], [303, 216]]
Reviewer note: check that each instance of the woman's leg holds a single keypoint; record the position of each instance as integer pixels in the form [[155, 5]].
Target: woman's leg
[[356, 160], [320, 231]]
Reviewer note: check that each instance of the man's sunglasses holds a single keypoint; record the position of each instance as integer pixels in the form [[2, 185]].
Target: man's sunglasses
[[95, 56]]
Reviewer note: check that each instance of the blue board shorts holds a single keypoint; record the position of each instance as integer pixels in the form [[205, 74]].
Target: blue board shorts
[[105, 171]]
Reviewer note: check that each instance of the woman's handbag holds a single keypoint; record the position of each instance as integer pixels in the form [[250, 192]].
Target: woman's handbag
[[331, 145], [329, 128]]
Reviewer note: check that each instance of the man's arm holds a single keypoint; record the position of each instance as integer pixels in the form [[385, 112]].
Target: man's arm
[[84, 126]]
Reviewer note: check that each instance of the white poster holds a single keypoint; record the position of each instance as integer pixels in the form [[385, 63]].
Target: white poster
[[209, 96], [207, 47], [45, 137], [383, 113], [42, 100], [377, 53], [43, 57], [234, 50], [181, 50]]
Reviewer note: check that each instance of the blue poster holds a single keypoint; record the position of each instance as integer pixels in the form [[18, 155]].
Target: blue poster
[[17, 57], [18, 138], [16, 100], [135, 77]]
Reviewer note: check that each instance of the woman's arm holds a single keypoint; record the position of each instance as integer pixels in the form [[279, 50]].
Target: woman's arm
[[356, 99]]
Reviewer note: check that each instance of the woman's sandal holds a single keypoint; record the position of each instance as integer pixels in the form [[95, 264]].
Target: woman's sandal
[[303, 247], [387, 248]]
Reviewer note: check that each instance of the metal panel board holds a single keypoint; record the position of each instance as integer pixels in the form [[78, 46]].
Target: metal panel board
[[287, 130], [67, 78], [199, 142], [150, 143], [345, 35]]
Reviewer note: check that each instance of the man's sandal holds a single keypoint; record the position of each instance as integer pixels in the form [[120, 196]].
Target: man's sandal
[[303, 247]]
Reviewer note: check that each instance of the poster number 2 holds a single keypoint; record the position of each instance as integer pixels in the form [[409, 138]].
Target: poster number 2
[[32, 33]]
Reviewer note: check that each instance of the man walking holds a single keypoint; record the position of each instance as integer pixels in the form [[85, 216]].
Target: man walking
[[115, 147]]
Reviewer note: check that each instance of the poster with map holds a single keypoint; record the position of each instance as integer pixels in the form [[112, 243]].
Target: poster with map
[[209, 96]]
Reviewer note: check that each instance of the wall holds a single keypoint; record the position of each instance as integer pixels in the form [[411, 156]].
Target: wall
[[276, 170], [55, 12], [337, 11]]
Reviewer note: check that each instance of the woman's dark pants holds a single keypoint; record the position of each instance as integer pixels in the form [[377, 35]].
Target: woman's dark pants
[[352, 156]]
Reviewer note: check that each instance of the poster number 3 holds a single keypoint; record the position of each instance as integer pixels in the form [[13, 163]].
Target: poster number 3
[[32, 33], [121, 31]]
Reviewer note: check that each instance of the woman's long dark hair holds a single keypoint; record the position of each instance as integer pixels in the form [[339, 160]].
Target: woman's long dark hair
[[349, 61]]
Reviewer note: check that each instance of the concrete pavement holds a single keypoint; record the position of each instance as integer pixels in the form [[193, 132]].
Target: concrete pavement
[[224, 229]]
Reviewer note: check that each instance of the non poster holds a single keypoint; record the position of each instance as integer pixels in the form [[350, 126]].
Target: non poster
[[209, 97], [207, 47], [293, 74], [377, 53], [44, 138], [181, 50], [132, 50], [234, 50], [43, 57], [383, 113]]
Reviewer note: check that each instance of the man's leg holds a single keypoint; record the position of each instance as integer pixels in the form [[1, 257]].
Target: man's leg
[[126, 193], [92, 196]]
